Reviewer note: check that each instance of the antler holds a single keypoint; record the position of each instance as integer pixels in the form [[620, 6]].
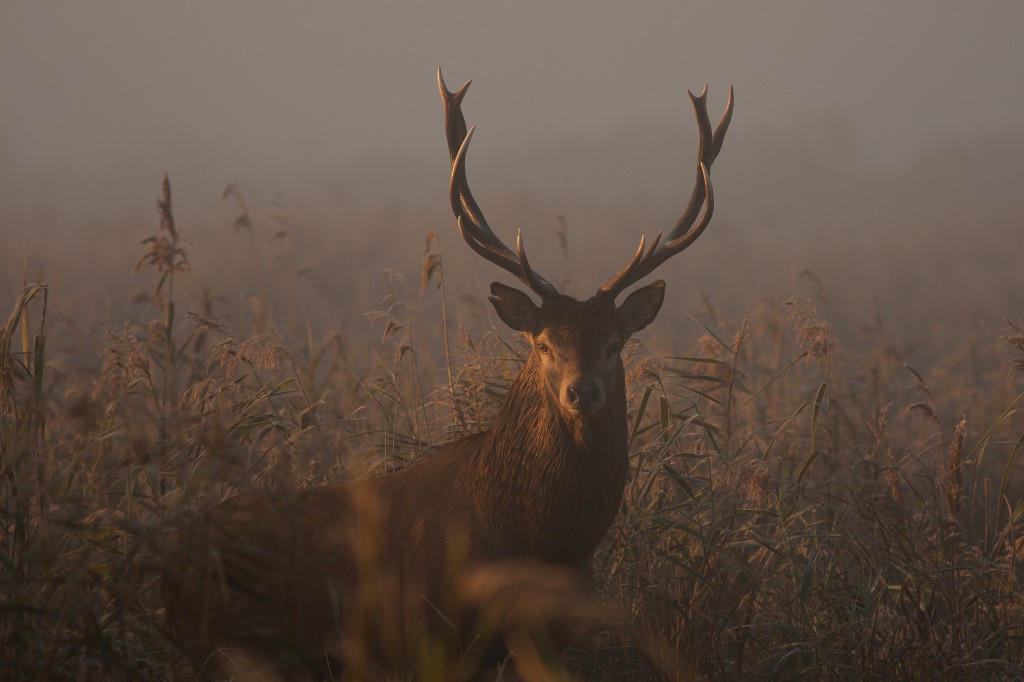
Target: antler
[[472, 225], [685, 231]]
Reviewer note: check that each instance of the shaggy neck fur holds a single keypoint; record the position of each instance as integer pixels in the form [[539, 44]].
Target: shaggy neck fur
[[553, 482]]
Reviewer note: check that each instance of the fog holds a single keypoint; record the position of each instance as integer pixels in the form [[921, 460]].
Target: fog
[[879, 145]]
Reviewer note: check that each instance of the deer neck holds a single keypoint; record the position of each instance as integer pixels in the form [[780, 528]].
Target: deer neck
[[552, 482]]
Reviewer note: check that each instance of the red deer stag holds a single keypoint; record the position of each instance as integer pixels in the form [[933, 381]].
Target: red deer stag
[[285, 577]]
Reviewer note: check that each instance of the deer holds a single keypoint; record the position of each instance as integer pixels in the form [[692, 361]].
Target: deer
[[277, 576]]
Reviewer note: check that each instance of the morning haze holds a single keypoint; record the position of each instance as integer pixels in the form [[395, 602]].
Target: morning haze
[[798, 459], [877, 145]]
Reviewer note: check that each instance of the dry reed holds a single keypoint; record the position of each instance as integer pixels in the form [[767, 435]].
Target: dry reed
[[784, 520]]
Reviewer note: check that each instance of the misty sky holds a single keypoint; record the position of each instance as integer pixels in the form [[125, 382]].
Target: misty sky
[[879, 144], [100, 98]]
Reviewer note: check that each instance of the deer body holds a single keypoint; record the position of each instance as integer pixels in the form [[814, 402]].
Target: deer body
[[294, 577]]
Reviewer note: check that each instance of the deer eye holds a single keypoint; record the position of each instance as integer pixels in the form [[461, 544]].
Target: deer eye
[[543, 348]]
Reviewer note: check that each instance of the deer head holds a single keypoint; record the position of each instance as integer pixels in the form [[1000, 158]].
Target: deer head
[[577, 344]]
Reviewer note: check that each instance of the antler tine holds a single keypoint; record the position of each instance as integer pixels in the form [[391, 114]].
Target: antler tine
[[529, 276], [614, 286], [685, 232], [472, 225], [454, 121], [468, 212], [674, 246], [704, 146], [723, 125]]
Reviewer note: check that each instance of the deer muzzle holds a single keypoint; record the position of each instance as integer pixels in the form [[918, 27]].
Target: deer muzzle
[[583, 395]]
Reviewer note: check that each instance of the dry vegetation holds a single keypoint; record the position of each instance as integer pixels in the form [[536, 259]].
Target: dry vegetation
[[796, 511]]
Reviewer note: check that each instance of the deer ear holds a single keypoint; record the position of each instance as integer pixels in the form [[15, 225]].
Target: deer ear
[[641, 307], [514, 308]]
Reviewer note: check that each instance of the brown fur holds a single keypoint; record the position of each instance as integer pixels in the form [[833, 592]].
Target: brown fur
[[295, 576]]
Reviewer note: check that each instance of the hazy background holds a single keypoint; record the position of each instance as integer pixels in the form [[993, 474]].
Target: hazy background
[[879, 145]]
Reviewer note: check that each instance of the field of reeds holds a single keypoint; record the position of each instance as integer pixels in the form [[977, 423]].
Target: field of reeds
[[797, 509]]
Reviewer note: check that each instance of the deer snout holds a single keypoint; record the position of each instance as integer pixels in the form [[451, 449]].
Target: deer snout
[[583, 396]]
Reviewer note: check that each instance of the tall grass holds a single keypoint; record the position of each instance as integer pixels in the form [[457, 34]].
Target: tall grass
[[795, 511]]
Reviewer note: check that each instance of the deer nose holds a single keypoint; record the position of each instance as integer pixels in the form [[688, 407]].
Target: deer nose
[[584, 395]]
